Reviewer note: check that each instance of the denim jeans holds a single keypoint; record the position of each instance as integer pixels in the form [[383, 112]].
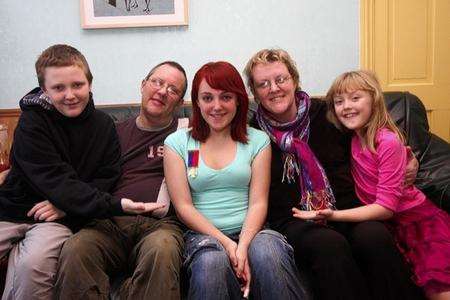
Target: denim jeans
[[273, 270]]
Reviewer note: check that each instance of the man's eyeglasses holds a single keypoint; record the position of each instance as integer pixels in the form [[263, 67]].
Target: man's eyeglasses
[[158, 83], [279, 81]]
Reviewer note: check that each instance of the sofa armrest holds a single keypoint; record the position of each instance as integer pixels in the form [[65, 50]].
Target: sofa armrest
[[433, 177], [433, 153]]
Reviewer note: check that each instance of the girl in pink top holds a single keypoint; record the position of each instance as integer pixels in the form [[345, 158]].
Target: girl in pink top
[[422, 231]]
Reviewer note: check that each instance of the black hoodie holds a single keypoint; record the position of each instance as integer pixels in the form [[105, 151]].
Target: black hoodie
[[72, 162]]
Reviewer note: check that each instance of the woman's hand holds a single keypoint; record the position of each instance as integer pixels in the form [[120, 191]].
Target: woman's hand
[[247, 278], [239, 262], [322, 214], [131, 207], [231, 247], [243, 269], [45, 211], [3, 176], [412, 166]]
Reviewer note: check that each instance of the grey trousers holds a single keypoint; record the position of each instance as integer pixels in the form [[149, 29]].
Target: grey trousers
[[33, 256]]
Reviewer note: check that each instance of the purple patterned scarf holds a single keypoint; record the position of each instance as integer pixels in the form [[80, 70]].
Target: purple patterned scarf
[[299, 160]]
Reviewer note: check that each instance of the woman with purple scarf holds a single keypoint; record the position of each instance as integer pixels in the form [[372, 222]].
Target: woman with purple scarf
[[311, 170]]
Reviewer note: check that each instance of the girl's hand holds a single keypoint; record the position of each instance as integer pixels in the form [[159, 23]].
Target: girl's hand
[[326, 213], [312, 214], [45, 211]]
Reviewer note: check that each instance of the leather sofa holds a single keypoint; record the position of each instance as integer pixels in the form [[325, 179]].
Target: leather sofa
[[432, 152], [410, 115]]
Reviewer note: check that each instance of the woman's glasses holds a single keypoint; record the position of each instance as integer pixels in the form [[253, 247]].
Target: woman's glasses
[[278, 81]]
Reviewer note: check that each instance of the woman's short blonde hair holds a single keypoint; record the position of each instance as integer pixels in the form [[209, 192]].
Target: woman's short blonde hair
[[266, 56]]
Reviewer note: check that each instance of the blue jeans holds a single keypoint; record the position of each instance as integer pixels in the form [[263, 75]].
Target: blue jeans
[[273, 270]]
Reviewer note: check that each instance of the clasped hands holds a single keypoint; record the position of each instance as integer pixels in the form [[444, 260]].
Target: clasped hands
[[237, 253]]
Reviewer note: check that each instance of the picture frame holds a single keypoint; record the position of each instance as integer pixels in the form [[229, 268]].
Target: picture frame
[[133, 13]]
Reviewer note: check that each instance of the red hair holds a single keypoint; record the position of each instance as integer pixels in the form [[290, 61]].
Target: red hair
[[223, 76]]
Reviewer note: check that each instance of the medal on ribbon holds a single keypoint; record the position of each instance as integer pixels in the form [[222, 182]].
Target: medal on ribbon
[[193, 156]]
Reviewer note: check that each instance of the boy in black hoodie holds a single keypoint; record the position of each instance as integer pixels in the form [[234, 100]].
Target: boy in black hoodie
[[64, 158]]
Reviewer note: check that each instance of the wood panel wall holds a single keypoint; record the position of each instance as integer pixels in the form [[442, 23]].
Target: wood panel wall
[[9, 117]]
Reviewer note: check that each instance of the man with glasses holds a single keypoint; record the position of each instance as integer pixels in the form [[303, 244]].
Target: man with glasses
[[145, 249]]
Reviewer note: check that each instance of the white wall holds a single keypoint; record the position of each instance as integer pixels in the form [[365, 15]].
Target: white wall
[[321, 35]]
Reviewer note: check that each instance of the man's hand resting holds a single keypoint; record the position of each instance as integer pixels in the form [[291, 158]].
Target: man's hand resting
[[131, 207]]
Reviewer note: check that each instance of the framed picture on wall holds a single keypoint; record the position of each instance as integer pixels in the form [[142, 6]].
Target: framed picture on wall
[[133, 13]]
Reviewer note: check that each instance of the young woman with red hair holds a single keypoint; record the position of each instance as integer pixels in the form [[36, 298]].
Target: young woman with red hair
[[218, 177]]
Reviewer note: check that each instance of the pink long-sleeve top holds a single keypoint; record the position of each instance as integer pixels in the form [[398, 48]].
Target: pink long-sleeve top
[[379, 176]]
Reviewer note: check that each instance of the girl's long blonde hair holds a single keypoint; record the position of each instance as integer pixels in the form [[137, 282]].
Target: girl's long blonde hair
[[380, 118]]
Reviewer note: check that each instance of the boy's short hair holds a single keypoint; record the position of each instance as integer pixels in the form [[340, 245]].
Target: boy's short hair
[[61, 56]]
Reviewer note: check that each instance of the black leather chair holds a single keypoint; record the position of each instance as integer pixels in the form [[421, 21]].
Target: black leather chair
[[432, 152]]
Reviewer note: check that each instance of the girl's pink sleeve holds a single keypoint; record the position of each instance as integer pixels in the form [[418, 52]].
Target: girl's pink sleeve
[[391, 172]]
